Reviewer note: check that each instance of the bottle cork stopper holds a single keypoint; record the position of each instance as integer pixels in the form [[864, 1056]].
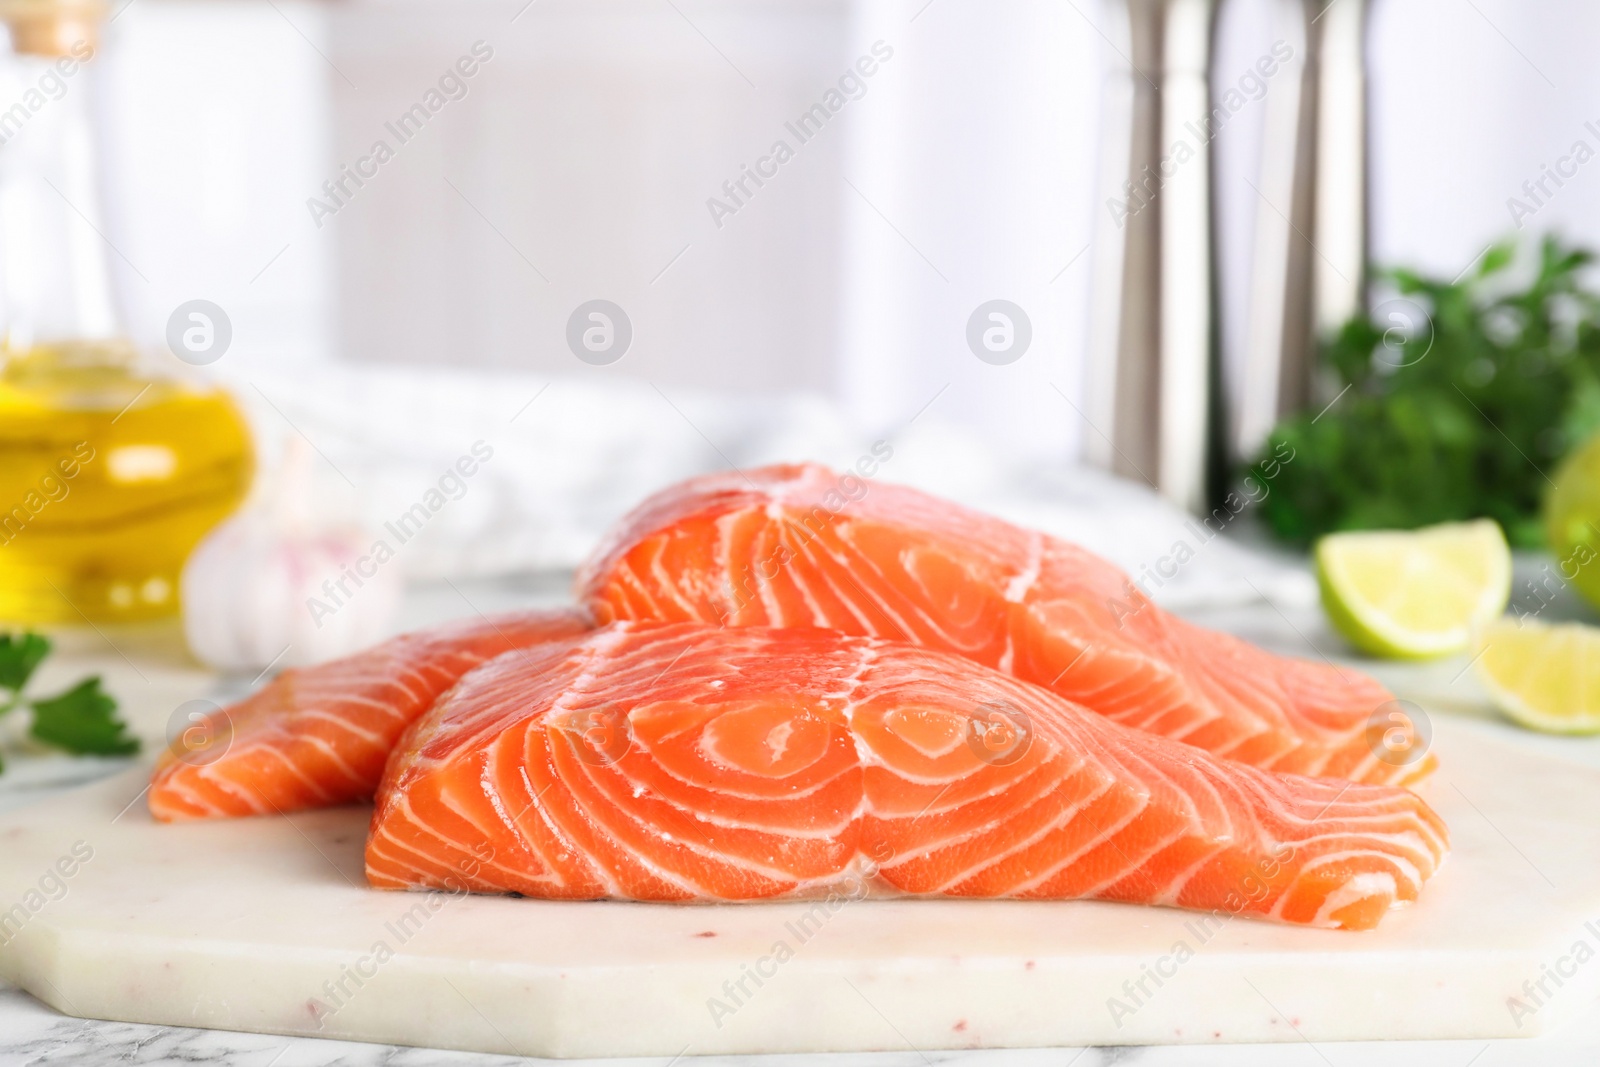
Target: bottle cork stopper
[[52, 27]]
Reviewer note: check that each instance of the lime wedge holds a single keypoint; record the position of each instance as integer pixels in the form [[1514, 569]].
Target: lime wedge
[[1572, 519], [1415, 594], [1536, 673]]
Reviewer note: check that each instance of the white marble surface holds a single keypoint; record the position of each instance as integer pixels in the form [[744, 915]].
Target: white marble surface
[[268, 924], [31, 1033]]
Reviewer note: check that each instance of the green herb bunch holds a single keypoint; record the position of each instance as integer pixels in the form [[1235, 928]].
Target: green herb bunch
[[83, 720], [1457, 399]]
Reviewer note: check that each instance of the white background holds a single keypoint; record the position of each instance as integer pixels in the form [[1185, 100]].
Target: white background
[[588, 146]]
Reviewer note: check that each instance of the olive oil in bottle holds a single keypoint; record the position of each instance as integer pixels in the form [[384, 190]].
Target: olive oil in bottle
[[111, 467], [112, 477]]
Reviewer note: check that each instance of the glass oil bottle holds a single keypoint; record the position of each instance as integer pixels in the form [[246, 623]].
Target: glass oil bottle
[[112, 466]]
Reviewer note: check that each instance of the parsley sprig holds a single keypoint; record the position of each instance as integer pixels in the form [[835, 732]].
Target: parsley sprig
[[82, 720], [1455, 416]]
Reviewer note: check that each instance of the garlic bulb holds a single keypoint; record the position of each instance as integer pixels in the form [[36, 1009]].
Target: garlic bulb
[[270, 587]]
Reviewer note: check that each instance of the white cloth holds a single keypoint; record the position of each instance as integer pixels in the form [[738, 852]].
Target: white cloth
[[572, 455]]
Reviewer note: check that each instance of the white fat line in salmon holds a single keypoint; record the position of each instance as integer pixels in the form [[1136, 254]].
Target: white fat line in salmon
[[1253, 489], [850, 487], [1537, 991], [451, 485], [52, 488], [339, 990], [51, 886], [741, 989], [1253, 887]]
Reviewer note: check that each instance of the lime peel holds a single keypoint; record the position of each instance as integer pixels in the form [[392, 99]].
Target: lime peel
[[1415, 594], [1543, 676]]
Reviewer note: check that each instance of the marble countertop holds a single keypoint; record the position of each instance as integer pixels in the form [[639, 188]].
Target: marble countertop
[[150, 672], [32, 1034]]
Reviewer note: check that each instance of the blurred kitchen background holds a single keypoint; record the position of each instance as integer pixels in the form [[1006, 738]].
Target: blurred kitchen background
[[580, 162], [376, 332]]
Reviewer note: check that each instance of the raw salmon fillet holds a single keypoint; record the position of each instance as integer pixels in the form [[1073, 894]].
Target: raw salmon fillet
[[682, 762], [319, 736], [797, 545]]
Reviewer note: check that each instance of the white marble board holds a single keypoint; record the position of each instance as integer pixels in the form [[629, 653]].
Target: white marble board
[[266, 925]]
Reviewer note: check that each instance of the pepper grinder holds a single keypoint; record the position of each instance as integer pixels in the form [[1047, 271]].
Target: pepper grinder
[[1309, 270], [1152, 349]]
